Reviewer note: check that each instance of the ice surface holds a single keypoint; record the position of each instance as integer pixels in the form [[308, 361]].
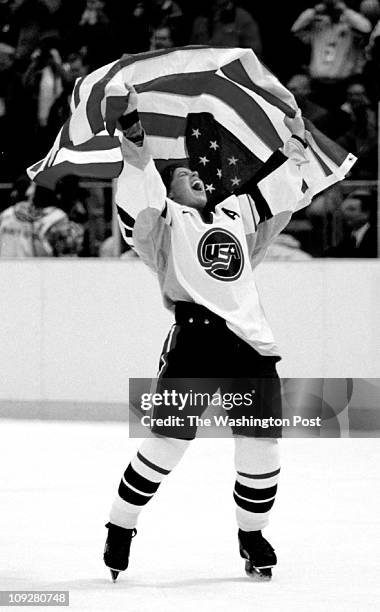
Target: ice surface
[[57, 481]]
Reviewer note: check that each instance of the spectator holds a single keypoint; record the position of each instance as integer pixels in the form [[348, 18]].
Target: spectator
[[322, 216], [7, 35], [93, 36], [228, 25], [74, 68], [133, 27], [331, 123], [336, 35], [74, 201], [10, 115], [361, 138], [360, 236], [371, 72], [36, 227], [31, 20], [19, 189], [43, 83], [161, 38], [6, 72], [169, 13]]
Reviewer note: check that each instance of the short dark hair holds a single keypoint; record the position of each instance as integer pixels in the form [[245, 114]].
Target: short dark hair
[[168, 171], [366, 198], [44, 197]]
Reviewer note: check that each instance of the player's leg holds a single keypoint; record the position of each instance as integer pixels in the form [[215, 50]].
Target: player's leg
[[257, 465], [154, 460]]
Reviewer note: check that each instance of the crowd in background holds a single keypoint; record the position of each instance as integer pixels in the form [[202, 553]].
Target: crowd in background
[[328, 55]]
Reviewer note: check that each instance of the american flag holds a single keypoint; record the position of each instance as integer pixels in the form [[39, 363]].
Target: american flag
[[222, 161], [218, 108]]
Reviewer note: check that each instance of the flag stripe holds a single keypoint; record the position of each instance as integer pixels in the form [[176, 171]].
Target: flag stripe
[[65, 134], [162, 163], [36, 167], [76, 157], [172, 147], [157, 124], [93, 106], [115, 107], [98, 143], [51, 175], [335, 152], [195, 84], [325, 169], [76, 94], [229, 85], [236, 72], [222, 112]]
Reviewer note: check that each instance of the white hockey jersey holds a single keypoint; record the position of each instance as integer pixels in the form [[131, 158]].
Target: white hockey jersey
[[210, 264]]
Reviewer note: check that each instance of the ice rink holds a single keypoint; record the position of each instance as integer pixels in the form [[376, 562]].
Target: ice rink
[[58, 480]]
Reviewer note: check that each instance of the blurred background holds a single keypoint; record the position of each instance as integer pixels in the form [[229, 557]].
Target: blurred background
[[328, 55]]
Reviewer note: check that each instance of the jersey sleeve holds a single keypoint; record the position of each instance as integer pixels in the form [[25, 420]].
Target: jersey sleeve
[[272, 196], [139, 188]]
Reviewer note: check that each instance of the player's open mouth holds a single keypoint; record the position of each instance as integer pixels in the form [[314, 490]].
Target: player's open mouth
[[197, 185]]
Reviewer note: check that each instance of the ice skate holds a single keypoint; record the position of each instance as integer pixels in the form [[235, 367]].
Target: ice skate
[[117, 548], [258, 553]]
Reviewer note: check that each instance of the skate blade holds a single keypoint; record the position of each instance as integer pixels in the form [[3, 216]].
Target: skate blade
[[258, 575], [114, 575]]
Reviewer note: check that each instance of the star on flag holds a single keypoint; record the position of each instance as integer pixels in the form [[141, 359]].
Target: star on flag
[[223, 164]]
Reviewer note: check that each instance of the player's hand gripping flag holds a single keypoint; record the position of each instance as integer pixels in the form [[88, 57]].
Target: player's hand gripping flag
[[220, 109]]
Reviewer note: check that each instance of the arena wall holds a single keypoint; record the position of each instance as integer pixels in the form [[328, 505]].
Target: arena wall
[[75, 331]]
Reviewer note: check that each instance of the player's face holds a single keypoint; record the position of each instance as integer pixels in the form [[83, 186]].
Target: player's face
[[187, 189]]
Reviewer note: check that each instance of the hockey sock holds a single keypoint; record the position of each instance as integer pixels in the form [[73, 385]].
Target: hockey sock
[[257, 465], [156, 457]]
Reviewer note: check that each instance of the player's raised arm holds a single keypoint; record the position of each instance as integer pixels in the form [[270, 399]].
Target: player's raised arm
[[275, 192], [139, 185]]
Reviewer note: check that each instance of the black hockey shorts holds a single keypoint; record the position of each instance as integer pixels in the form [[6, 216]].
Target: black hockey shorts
[[201, 354]]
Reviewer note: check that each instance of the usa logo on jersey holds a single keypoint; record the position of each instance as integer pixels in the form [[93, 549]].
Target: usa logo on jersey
[[221, 255]]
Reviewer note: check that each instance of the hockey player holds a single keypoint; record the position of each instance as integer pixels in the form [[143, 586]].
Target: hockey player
[[204, 259]]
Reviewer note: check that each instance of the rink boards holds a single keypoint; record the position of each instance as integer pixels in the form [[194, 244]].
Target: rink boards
[[77, 330]]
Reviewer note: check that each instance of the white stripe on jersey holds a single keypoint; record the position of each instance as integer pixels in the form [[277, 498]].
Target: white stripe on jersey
[[249, 213], [166, 350]]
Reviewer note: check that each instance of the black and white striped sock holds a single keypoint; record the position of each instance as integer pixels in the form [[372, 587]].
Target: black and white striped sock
[[258, 467], [154, 460]]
